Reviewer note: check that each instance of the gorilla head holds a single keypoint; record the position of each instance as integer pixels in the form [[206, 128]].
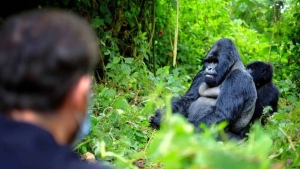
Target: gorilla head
[[219, 61], [261, 72]]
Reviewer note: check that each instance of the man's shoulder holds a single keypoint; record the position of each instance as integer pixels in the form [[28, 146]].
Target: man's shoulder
[[26, 146]]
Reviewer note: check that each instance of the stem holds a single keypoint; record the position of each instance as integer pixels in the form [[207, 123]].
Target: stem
[[176, 36]]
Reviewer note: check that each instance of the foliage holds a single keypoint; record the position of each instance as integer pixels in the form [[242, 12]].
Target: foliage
[[284, 130], [136, 77], [256, 14], [130, 93], [121, 110], [177, 146]]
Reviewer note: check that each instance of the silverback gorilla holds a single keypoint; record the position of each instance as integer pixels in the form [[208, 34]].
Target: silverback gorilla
[[222, 91], [267, 92]]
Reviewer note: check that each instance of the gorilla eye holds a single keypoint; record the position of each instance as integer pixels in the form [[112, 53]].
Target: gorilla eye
[[212, 60], [264, 72], [215, 61]]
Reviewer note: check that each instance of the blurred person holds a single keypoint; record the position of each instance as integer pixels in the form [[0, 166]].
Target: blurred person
[[46, 58]]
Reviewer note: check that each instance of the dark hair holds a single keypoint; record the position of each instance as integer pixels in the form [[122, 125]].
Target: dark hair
[[43, 53]]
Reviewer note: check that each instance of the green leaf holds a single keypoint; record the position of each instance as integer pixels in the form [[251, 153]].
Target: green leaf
[[109, 93], [129, 60], [243, 7], [116, 59], [121, 103], [97, 22], [83, 149], [125, 69]]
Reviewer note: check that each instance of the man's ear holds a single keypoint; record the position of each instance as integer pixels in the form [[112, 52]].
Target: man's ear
[[80, 93]]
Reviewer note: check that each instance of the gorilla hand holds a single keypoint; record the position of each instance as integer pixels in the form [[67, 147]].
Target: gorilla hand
[[156, 119]]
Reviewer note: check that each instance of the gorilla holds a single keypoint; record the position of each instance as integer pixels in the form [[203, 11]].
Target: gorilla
[[267, 92], [222, 91]]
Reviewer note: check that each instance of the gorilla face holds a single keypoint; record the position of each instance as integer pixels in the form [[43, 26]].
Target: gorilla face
[[211, 73], [218, 61], [261, 72]]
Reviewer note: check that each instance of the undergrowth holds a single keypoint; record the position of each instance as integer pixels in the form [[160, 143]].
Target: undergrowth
[[122, 137]]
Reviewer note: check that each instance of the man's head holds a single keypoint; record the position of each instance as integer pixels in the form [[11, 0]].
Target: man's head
[[45, 60], [42, 55]]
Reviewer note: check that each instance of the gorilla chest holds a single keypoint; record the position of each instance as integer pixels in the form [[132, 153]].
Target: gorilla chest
[[208, 95], [205, 104]]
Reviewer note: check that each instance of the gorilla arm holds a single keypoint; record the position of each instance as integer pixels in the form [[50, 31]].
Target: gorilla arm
[[180, 105], [235, 103]]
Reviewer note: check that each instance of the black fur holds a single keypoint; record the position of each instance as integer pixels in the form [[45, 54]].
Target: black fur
[[222, 91], [267, 92]]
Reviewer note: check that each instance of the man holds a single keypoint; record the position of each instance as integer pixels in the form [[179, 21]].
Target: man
[[46, 57]]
